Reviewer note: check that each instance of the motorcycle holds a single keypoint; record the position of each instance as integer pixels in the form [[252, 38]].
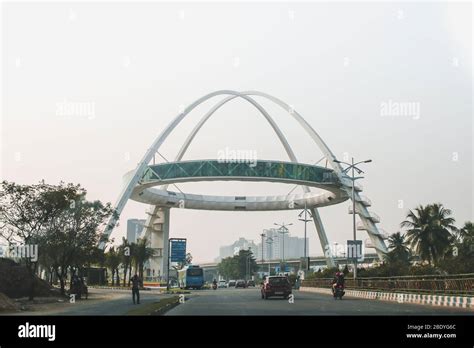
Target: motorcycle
[[338, 292], [214, 286]]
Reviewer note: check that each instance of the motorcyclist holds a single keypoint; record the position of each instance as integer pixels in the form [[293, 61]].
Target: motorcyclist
[[338, 280], [214, 283]]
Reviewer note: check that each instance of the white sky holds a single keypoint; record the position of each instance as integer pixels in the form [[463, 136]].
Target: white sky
[[139, 63]]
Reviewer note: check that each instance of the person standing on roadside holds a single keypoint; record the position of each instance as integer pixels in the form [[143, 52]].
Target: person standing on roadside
[[136, 282]]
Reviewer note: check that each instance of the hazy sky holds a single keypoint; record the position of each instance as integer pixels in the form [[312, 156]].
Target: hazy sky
[[128, 68]]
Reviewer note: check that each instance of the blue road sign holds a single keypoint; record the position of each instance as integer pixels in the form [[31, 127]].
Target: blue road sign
[[355, 251], [178, 250], [277, 269]]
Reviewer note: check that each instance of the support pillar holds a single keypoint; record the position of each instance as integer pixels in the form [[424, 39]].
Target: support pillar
[[323, 238], [157, 232]]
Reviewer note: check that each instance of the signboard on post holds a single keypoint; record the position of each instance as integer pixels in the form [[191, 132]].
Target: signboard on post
[[355, 251], [178, 250]]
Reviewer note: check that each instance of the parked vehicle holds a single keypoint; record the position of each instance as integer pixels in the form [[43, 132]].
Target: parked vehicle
[[275, 286], [241, 283], [231, 283], [222, 284], [250, 283]]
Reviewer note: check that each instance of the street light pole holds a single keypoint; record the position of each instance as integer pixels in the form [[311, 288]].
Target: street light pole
[[263, 235], [354, 217], [353, 166], [305, 220], [269, 241], [283, 230]]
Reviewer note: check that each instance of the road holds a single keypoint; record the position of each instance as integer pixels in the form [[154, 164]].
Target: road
[[248, 302]]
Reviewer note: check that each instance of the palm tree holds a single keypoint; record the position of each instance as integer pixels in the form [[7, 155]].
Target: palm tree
[[112, 260], [429, 231], [132, 246], [399, 250], [466, 233], [143, 253], [125, 257]]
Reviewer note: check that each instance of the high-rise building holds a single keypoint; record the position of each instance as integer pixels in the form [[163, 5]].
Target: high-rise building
[[134, 229], [232, 249], [273, 246]]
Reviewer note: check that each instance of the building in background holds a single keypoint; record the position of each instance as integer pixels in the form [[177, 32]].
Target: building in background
[[134, 229], [232, 249], [294, 246]]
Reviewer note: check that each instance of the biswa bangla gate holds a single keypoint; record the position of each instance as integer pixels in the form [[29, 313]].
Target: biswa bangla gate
[[148, 183]]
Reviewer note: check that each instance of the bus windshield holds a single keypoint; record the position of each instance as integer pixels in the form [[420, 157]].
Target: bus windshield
[[194, 272]]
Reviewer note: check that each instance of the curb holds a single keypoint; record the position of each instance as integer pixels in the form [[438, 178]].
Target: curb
[[433, 300]]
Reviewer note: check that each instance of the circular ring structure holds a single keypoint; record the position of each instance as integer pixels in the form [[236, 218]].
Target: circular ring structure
[[214, 170]]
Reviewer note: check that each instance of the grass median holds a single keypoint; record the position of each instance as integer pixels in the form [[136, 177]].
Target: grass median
[[155, 308]]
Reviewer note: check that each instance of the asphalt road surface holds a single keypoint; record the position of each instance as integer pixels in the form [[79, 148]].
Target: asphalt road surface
[[248, 302]]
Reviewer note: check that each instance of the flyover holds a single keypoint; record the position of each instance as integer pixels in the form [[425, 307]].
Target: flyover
[[213, 170]]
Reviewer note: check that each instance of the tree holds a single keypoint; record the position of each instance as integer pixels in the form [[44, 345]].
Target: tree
[[429, 231], [399, 250], [25, 214], [71, 238], [228, 267], [466, 233], [112, 260], [142, 253], [125, 257], [459, 260], [132, 246], [238, 266]]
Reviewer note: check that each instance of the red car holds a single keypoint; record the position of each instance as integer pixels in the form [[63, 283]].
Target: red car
[[275, 286]]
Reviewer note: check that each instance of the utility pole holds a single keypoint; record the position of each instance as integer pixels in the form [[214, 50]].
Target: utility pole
[[283, 230], [306, 219], [269, 242], [263, 235], [352, 166]]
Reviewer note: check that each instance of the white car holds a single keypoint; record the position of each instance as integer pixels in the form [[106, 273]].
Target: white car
[[231, 283], [222, 284]]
